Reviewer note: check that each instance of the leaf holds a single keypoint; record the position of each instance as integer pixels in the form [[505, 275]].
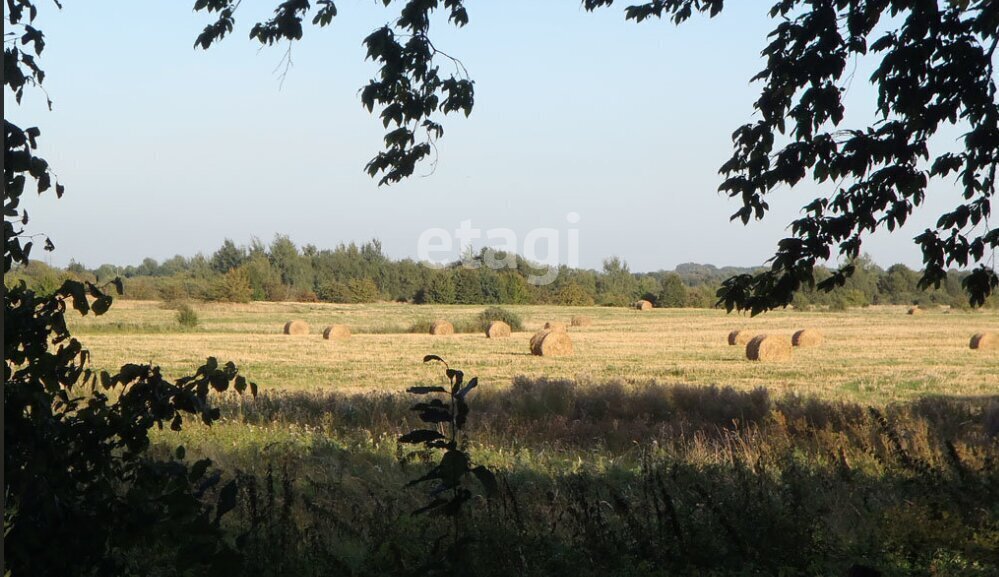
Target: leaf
[[488, 480], [471, 385], [420, 436], [454, 464], [429, 358], [102, 305], [198, 469], [227, 500], [180, 453]]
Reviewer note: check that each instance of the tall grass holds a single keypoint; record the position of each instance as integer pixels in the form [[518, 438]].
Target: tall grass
[[612, 479]]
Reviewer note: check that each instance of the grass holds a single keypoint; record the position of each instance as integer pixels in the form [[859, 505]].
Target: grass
[[875, 355], [656, 449]]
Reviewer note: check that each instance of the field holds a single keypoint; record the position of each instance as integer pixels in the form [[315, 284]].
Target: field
[[877, 355], [656, 449]]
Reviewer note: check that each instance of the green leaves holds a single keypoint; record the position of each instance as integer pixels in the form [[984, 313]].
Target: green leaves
[[455, 464]]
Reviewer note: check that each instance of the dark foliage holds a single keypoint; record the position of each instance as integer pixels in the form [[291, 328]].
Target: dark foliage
[[81, 497]]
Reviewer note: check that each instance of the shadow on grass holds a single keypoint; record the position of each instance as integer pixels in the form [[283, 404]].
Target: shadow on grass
[[615, 415], [718, 482]]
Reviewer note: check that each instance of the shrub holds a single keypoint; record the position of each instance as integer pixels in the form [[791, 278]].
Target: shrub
[[574, 295], [363, 290], [500, 314], [186, 316], [233, 286]]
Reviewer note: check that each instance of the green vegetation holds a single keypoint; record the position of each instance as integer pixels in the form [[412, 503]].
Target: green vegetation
[[599, 480], [186, 317], [354, 274], [500, 314], [611, 479]]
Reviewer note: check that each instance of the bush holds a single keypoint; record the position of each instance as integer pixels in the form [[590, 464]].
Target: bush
[[186, 316], [573, 295], [233, 286], [500, 314]]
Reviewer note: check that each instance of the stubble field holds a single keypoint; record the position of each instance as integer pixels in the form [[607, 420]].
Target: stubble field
[[656, 449], [874, 355]]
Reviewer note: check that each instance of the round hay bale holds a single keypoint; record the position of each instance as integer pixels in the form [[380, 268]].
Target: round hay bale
[[767, 348], [536, 338], [336, 332], [555, 326], [497, 329], [739, 337], [296, 328], [985, 341], [580, 321], [915, 311], [807, 338], [551, 344], [643, 305], [441, 327]]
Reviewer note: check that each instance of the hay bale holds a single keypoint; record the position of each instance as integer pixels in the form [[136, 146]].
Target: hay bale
[[767, 348], [915, 311], [555, 326], [548, 343], [536, 338], [441, 327], [580, 321], [497, 329], [807, 338], [985, 341], [643, 305], [336, 332], [296, 328], [740, 337]]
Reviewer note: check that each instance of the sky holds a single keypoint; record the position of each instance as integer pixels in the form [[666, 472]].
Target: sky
[[606, 133]]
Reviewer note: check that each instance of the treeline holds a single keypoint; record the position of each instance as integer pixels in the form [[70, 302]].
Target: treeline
[[282, 271]]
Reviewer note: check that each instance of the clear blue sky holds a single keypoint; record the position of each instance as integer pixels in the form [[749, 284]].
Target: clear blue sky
[[168, 150]]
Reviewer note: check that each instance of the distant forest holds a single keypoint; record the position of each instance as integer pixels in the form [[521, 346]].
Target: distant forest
[[350, 273]]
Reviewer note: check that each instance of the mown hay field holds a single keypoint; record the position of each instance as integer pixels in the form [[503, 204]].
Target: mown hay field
[[877, 354]]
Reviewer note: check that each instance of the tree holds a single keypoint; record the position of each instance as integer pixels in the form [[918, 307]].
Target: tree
[[935, 68], [233, 286], [673, 293], [617, 286], [898, 283], [441, 289], [228, 257], [295, 269], [81, 494]]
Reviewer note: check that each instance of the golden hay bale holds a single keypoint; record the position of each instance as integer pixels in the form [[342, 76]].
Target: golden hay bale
[[643, 305], [985, 341], [536, 338], [807, 338], [555, 326], [580, 321], [551, 344], [336, 332], [739, 337], [497, 329], [915, 311], [296, 328], [767, 348], [441, 327]]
